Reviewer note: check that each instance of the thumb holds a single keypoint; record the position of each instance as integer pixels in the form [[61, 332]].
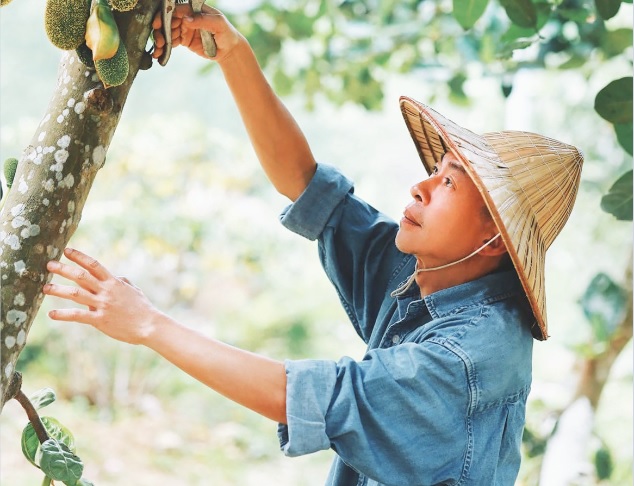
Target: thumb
[[200, 21]]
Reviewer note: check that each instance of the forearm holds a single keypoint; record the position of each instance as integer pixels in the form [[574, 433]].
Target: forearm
[[249, 379], [277, 139]]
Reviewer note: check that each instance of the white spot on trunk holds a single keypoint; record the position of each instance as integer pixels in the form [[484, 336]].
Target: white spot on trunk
[[18, 221], [45, 201], [21, 337], [51, 251], [19, 299], [41, 136], [61, 156], [99, 155], [45, 119], [64, 141], [71, 102], [16, 317], [60, 119], [71, 206], [17, 209], [23, 186], [80, 107], [49, 185], [8, 370], [9, 342], [13, 241], [20, 267], [65, 112], [68, 181]]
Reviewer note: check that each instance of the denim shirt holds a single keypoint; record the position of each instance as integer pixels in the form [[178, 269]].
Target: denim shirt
[[439, 397]]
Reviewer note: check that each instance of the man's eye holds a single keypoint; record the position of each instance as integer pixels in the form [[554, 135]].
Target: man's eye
[[434, 171], [448, 182]]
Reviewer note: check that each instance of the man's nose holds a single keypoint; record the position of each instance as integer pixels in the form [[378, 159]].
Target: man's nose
[[420, 191]]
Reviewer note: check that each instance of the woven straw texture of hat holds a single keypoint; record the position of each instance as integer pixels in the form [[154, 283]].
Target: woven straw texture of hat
[[529, 183]]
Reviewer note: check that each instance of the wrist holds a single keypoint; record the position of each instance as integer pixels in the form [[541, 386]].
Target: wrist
[[156, 326], [236, 55]]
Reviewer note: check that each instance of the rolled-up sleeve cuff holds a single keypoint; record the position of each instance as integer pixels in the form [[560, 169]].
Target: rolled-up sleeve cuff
[[308, 215], [309, 388]]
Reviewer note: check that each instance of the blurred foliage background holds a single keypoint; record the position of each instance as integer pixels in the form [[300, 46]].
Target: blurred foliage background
[[182, 209]]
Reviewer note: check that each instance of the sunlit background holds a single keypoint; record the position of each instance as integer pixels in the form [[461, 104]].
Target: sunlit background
[[182, 209]]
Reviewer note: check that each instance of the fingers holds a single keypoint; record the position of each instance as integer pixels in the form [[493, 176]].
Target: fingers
[[72, 315], [88, 263], [75, 294]]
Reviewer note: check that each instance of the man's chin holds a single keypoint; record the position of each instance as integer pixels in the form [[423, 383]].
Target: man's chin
[[401, 243]]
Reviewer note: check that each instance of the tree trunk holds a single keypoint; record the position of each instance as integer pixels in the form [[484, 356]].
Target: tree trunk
[[566, 460], [596, 369], [54, 175]]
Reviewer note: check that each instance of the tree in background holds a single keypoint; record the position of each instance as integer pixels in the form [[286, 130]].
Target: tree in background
[[342, 51]]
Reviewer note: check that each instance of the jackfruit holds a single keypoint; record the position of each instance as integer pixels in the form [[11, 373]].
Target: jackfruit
[[123, 5], [10, 167], [114, 71], [85, 55], [102, 33], [65, 22]]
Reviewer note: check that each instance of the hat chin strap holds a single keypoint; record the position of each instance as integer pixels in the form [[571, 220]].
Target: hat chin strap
[[403, 288]]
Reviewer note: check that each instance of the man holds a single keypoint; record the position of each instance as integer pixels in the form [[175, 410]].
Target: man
[[448, 301]]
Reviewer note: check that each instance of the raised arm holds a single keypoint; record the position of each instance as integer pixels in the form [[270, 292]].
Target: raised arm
[[277, 139]]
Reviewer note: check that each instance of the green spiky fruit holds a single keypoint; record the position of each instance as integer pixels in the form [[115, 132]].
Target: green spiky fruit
[[10, 166], [65, 22], [102, 33], [85, 55], [123, 5], [114, 71]]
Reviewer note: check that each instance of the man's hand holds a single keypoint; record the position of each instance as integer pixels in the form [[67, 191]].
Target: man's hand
[[186, 28], [114, 306]]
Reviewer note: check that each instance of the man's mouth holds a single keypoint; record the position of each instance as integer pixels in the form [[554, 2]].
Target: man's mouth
[[407, 219]]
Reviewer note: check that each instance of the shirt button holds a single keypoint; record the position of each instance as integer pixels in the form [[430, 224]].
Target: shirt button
[[396, 339]]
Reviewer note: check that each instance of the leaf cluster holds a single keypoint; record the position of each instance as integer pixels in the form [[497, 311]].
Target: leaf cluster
[[56, 455]]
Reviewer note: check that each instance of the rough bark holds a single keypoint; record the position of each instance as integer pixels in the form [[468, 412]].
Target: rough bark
[[54, 176]]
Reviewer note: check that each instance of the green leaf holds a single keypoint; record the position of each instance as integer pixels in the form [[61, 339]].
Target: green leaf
[[614, 42], [456, 86], [84, 482], [59, 463], [575, 61], [607, 8], [603, 463], [42, 398], [521, 12], [603, 303], [618, 200], [579, 14], [624, 135], [467, 12], [614, 101], [533, 445], [31, 444]]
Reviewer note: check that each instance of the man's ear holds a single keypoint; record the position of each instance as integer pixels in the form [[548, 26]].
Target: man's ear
[[495, 247]]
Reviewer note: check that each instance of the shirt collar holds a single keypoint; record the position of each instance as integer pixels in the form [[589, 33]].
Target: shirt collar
[[489, 288]]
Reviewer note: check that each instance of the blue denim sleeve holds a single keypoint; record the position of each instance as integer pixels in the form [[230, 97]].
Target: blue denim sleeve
[[397, 416], [308, 215]]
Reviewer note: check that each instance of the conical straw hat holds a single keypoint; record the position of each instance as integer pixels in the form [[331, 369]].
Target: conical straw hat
[[529, 183]]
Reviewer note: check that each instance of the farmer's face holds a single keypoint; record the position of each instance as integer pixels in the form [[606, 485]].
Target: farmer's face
[[446, 219]]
